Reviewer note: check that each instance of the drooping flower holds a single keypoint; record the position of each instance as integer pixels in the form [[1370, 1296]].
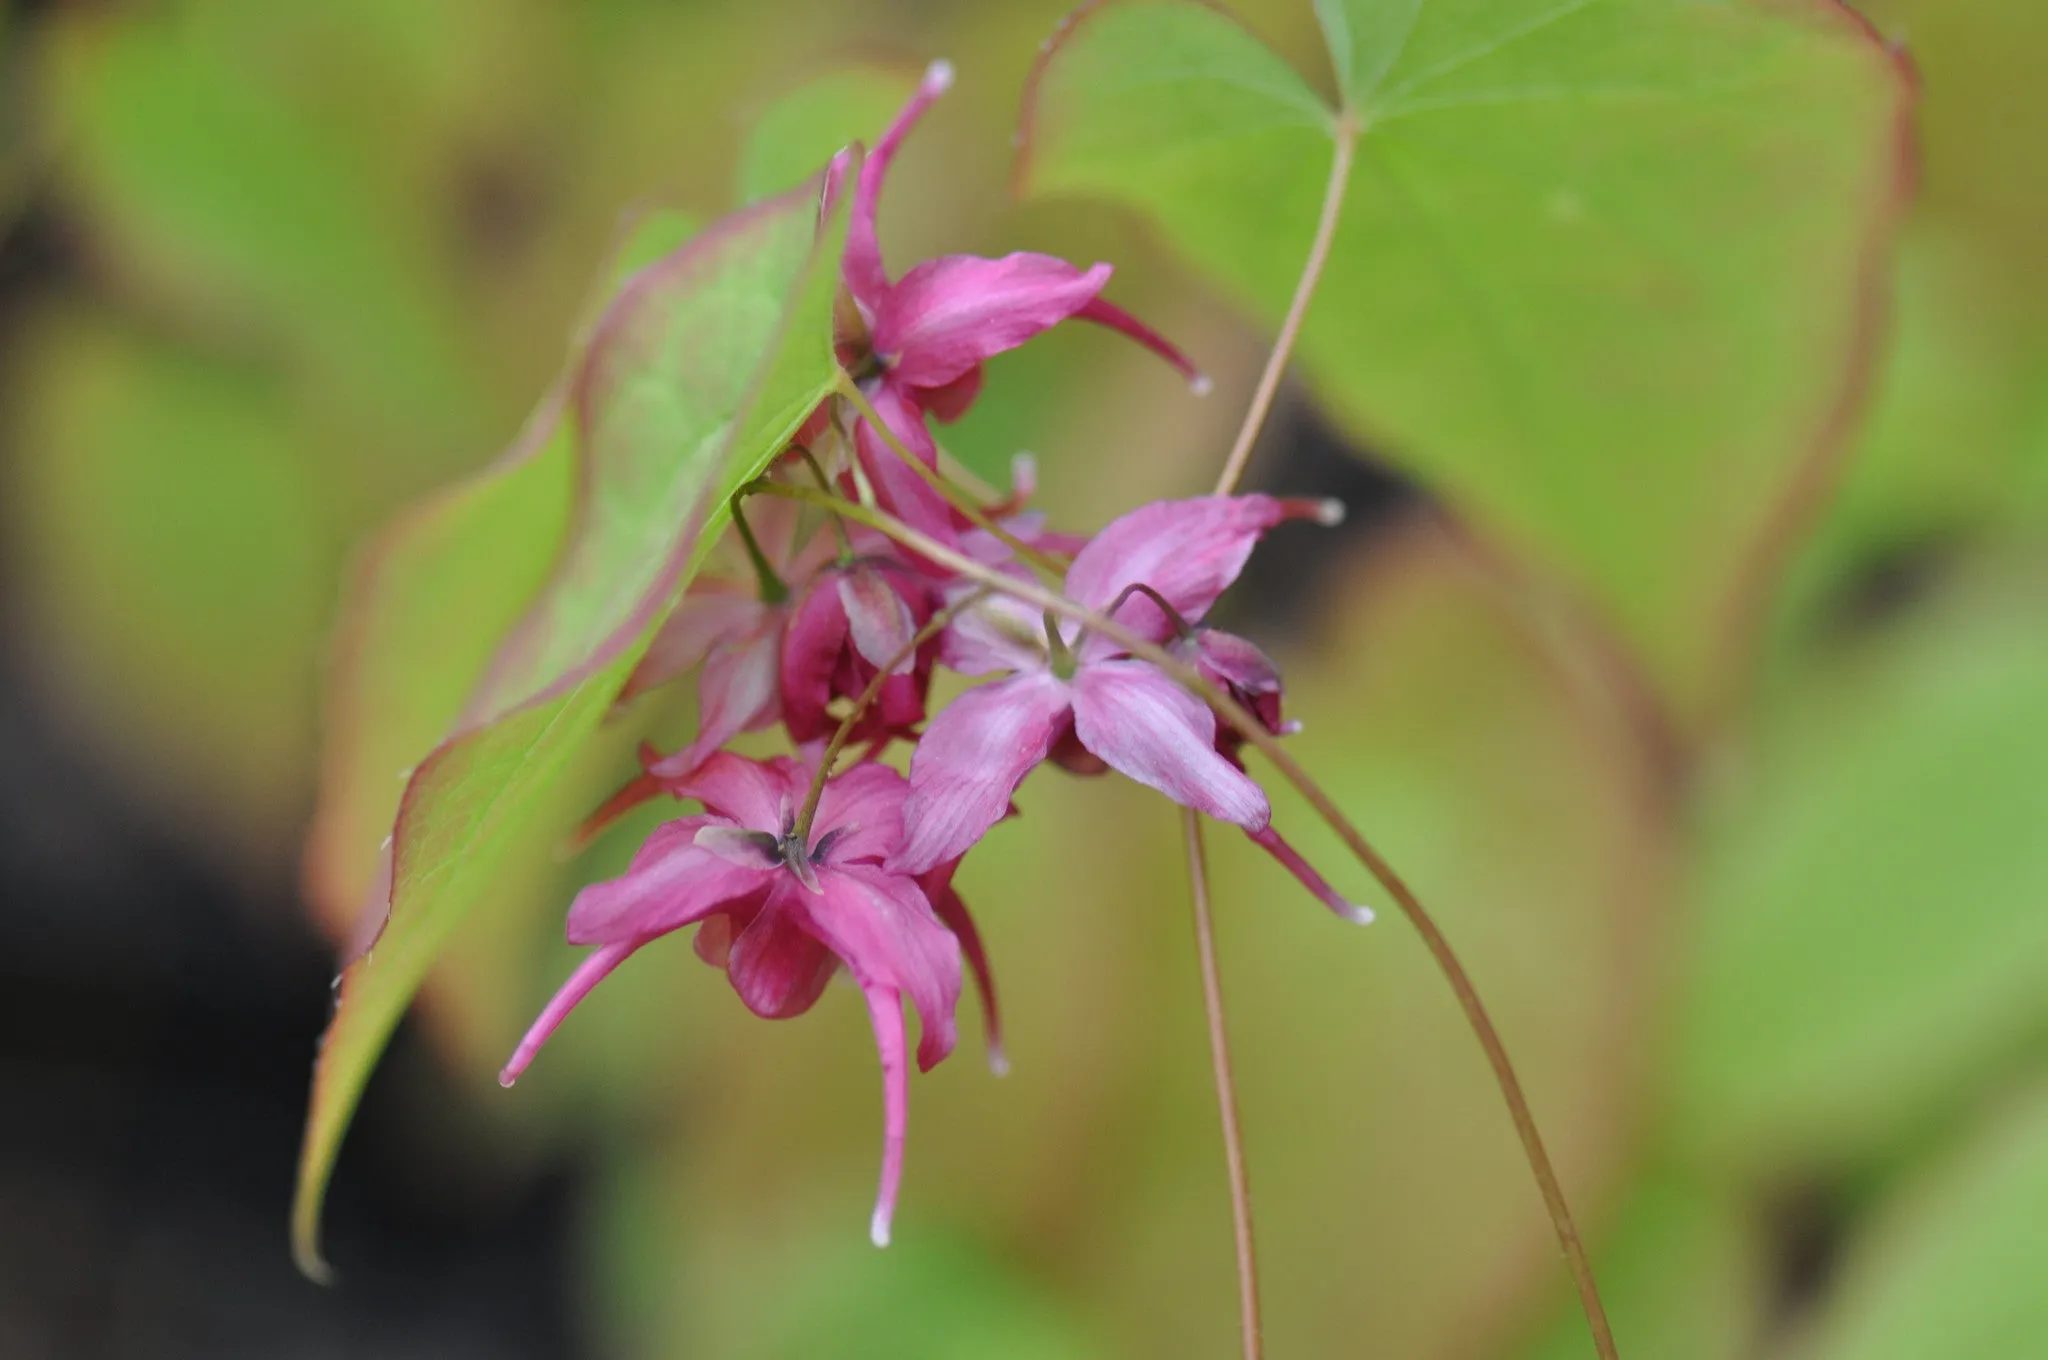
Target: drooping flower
[[917, 345], [731, 623], [850, 623], [779, 914], [1083, 699]]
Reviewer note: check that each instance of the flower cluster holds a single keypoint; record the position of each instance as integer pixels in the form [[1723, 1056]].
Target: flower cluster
[[827, 627]]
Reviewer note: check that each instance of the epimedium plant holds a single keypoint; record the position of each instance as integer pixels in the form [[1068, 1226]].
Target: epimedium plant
[[1555, 231]]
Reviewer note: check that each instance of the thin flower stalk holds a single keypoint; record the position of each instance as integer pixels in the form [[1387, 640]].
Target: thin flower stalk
[[1226, 1089]]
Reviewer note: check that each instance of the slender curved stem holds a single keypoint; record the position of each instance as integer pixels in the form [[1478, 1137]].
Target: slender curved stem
[[1255, 734], [952, 494], [1226, 1090], [1346, 137]]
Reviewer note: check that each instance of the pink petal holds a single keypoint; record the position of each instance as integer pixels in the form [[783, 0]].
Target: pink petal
[[972, 757], [812, 645], [898, 489], [736, 692], [947, 906], [949, 314], [950, 402], [1153, 731], [756, 794], [672, 882], [1188, 551], [885, 1012], [1108, 314], [862, 810], [862, 262], [588, 974], [998, 634], [1239, 666], [878, 619], [699, 623], [1269, 840], [778, 968], [880, 923]]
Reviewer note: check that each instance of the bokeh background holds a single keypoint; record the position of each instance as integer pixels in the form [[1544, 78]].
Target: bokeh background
[[270, 271]]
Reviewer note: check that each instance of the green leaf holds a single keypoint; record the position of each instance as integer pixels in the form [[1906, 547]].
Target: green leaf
[[429, 602], [1868, 936], [812, 122], [244, 206], [689, 382], [1365, 38], [1604, 269], [1953, 1268]]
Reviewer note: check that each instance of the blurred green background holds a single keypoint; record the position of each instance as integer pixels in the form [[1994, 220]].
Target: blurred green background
[[272, 271]]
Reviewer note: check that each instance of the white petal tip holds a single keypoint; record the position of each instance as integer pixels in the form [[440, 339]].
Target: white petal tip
[[878, 1231], [1330, 513], [507, 1077], [1358, 915], [1200, 385], [998, 1061], [938, 77]]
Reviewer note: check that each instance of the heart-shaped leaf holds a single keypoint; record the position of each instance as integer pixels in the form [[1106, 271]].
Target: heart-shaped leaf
[[1604, 269], [691, 379]]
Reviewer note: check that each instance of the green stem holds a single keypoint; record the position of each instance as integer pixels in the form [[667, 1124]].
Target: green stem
[[773, 589]]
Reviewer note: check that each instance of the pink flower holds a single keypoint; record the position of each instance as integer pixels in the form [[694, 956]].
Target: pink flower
[[847, 625], [918, 344], [1087, 704], [780, 916], [1121, 710]]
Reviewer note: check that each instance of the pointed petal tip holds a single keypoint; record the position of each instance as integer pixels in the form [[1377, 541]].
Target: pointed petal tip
[[938, 77], [878, 1229], [1199, 384], [998, 1061]]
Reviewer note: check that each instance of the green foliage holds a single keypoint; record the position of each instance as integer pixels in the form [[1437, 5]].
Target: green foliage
[[1868, 937], [691, 379], [1953, 1268], [1603, 272], [798, 131]]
